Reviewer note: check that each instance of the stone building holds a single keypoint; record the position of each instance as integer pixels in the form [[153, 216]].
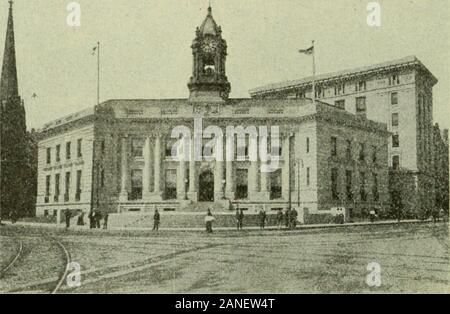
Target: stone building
[[398, 93], [119, 156], [13, 135]]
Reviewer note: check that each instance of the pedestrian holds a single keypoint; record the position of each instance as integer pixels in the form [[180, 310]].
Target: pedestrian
[[262, 219], [105, 220], [294, 216], [239, 219], [156, 220], [287, 217], [98, 217], [91, 220], [280, 219], [68, 216], [372, 215], [208, 221], [80, 221]]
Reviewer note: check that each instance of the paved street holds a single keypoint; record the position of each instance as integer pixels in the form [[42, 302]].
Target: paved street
[[413, 258]]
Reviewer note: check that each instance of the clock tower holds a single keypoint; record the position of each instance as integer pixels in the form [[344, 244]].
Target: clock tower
[[209, 82]]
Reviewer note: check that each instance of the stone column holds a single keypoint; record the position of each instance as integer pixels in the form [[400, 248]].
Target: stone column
[[147, 171], [253, 171], [125, 173], [157, 173], [218, 172], [193, 191], [229, 192], [286, 171], [265, 178], [181, 177]]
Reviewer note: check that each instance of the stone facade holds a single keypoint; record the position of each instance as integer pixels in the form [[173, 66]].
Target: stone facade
[[128, 164], [398, 93]]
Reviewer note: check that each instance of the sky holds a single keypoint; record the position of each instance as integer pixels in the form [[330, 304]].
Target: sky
[[145, 46]]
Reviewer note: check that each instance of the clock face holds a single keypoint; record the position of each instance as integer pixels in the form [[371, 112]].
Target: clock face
[[209, 46]]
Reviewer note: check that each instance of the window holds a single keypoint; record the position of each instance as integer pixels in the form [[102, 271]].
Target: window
[[241, 184], [137, 147], [57, 190], [68, 152], [103, 146], [376, 195], [275, 185], [334, 184], [348, 185], [349, 150], [374, 154], [333, 146], [360, 86], [396, 162], [394, 79], [339, 89], [79, 148], [78, 192], [362, 152], [361, 106], [47, 188], [363, 186], [58, 153], [136, 185], [395, 140], [394, 98], [67, 191], [340, 104], [395, 119], [307, 145], [171, 184], [308, 176], [49, 156]]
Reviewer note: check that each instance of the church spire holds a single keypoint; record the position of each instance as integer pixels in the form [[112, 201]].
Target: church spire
[[8, 84]]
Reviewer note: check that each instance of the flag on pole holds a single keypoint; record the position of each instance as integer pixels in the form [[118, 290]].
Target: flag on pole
[[94, 50], [308, 51]]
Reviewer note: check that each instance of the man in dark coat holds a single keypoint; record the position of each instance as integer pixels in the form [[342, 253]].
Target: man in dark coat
[[294, 216], [98, 217], [156, 220], [91, 220], [287, 217], [280, 219], [262, 219], [239, 219], [105, 220], [68, 216]]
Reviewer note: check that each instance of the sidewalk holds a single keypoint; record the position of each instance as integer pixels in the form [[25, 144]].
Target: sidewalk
[[270, 228]]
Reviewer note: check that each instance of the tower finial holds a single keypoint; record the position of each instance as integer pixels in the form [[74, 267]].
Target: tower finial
[[209, 7], [11, 2]]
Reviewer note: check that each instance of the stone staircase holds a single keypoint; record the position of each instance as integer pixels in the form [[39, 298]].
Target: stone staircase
[[184, 220]]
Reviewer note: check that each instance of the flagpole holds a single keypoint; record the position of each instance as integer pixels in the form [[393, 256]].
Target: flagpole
[[314, 74], [98, 73]]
